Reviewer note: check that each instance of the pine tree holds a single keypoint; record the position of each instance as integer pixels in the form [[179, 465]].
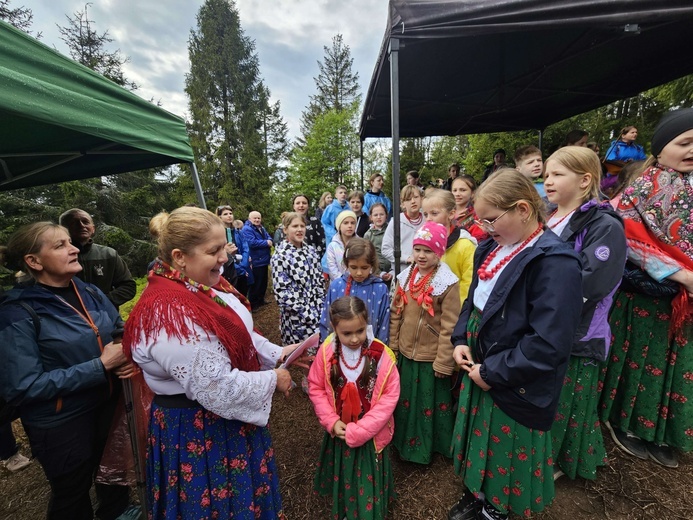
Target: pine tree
[[88, 48], [21, 17], [337, 85], [229, 110]]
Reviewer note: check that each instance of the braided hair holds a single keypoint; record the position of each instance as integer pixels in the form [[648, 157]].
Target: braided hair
[[345, 308]]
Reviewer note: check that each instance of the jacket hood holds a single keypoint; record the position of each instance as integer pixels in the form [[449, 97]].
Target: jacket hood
[[32, 291], [371, 280]]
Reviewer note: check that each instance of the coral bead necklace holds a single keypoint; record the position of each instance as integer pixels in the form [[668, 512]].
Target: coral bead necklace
[[485, 274], [358, 362], [557, 223]]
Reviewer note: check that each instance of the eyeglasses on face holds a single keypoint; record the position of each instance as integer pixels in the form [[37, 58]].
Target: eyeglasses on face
[[488, 225]]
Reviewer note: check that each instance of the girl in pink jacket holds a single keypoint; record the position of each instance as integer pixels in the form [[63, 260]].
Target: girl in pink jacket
[[354, 387]]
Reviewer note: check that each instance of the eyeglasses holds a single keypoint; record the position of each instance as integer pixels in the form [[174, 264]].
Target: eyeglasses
[[487, 225]]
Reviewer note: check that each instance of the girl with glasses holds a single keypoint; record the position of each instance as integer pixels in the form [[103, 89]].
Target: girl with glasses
[[512, 341]]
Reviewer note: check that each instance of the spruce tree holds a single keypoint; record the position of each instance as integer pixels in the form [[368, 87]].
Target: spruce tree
[[230, 112]]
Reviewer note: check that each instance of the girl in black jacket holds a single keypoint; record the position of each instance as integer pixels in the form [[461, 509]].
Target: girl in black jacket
[[513, 343], [572, 178]]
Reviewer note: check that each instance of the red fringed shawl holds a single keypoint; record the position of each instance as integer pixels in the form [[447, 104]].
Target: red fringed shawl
[[170, 300]]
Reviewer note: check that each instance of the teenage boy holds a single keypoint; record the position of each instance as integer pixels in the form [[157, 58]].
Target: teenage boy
[[529, 163], [375, 194], [329, 216]]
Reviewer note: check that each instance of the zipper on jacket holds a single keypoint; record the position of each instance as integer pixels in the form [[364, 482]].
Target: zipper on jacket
[[418, 333]]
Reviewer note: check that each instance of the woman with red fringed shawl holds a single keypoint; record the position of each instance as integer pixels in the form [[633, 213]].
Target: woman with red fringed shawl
[[647, 398], [209, 452]]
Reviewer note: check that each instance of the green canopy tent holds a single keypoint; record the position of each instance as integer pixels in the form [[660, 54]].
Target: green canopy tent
[[62, 121]]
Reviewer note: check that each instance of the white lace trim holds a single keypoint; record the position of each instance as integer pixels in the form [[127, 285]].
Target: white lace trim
[[228, 392], [444, 278]]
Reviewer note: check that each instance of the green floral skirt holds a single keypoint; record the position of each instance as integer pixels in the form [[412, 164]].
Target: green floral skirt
[[359, 479], [576, 435], [424, 416], [510, 463], [648, 378]]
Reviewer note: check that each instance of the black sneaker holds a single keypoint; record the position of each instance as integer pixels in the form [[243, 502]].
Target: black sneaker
[[662, 454], [627, 442], [467, 508], [489, 512]]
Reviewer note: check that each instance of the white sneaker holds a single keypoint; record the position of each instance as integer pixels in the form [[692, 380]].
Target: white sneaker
[[17, 462]]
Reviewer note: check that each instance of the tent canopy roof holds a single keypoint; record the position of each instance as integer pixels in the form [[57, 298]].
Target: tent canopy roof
[[479, 66], [62, 121]]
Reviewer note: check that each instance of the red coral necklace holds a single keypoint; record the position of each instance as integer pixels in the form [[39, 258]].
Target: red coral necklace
[[555, 224], [485, 274], [358, 362]]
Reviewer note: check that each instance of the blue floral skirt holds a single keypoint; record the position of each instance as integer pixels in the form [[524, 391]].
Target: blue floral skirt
[[200, 465]]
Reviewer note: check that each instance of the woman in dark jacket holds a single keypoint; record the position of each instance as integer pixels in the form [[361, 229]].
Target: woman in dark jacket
[[513, 342], [61, 367]]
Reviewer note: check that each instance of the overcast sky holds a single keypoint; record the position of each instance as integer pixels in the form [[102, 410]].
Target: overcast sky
[[289, 37]]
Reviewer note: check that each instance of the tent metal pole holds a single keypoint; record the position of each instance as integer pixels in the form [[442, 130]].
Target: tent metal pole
[[361, 148], [198, 187], [394, 113], [541, 140]]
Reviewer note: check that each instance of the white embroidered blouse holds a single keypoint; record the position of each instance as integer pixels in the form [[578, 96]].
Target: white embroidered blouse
[[200, 368]]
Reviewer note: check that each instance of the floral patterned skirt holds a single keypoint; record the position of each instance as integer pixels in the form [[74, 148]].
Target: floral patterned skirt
[[648, 378], [510, 463], [200, 465], [576, 435], [359, 479], [425, 413]]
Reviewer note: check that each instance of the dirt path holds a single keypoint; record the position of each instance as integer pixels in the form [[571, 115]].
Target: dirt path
[[627, 489]]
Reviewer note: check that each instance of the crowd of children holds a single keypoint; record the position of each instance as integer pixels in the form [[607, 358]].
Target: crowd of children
[[497, 344]]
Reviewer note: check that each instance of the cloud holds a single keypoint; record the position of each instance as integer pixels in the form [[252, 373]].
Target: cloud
[[289, 38]]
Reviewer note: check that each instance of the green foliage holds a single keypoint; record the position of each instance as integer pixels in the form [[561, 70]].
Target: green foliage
[[328, 157], [127, 307]]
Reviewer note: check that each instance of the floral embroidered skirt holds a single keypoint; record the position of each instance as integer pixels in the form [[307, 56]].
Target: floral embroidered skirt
[[425, 413], [200, 465], [510, 463], [576, 435], [359, 479], [648, 378]]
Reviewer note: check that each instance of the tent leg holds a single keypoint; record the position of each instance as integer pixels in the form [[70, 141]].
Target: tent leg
[[198, 187], [394, 112]]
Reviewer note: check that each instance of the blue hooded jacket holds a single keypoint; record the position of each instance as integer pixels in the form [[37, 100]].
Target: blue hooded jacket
[[527, 328], [373, 291], [58, 375]]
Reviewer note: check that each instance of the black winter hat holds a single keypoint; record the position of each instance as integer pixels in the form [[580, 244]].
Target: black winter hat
[[670, 127]]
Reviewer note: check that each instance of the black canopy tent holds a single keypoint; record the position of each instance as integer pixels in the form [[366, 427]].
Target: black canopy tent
[[449, 67], [62, 121]]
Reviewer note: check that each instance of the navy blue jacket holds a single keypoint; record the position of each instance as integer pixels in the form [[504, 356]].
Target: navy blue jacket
[[596, 232], [527, 328], [256, 238], [58, 375]]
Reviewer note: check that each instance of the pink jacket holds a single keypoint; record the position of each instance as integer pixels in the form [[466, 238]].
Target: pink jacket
[[378, 423]]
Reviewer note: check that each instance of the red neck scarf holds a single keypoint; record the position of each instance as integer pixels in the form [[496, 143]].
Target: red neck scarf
[[171, 299]]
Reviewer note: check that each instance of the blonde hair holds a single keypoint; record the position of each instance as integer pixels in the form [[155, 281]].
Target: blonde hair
[[155, 224], [408, 192], [28, 240], [289, 216], [184, 228], [506, 187], [444, 197], [581, 161], [322, 202]]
